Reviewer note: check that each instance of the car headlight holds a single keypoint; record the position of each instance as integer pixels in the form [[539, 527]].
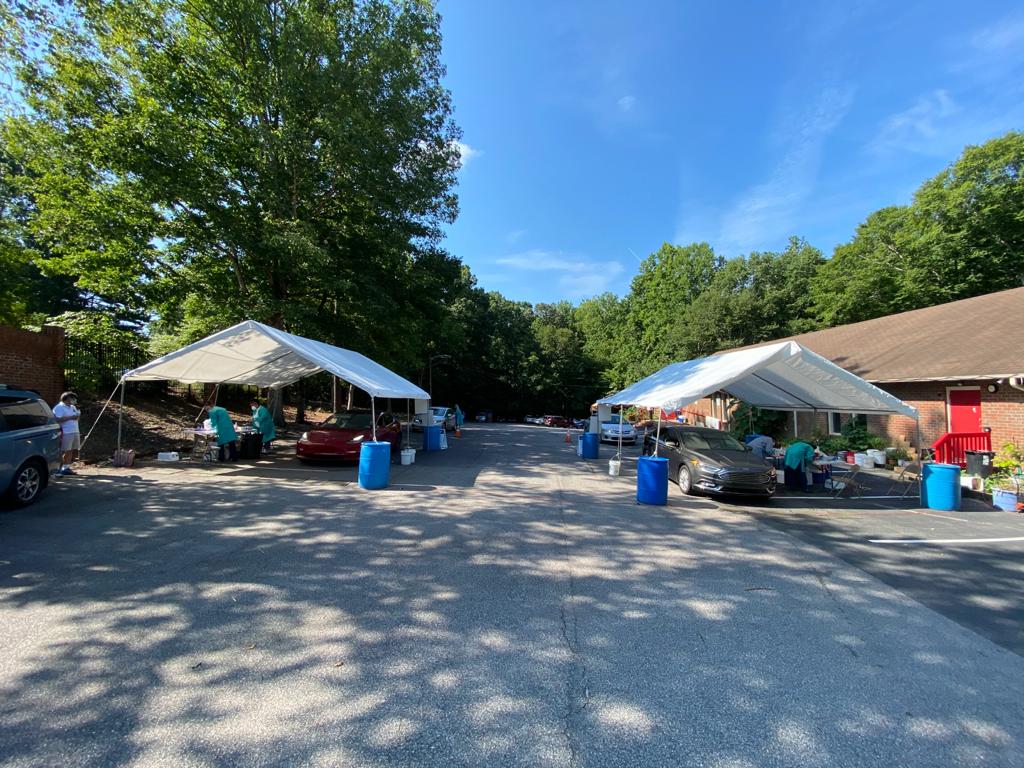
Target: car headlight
[[772, 472], [304, 438], [357, 439]]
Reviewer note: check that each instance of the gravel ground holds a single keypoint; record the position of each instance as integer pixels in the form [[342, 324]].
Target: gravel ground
[[504, 603]]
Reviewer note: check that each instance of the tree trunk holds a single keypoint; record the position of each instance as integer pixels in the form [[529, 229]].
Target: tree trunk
[[351, 396], [300, 410]]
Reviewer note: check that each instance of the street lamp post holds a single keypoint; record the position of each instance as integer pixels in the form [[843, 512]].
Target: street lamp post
[[430, 373]]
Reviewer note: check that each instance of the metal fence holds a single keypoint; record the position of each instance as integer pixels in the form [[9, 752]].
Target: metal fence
[[96, 366]]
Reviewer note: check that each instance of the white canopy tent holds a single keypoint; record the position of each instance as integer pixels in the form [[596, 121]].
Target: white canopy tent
[[256, 354], [783, 377]]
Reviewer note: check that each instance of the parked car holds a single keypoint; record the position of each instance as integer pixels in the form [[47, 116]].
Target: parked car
[[533, 420], [710, 461], [442, 417], [29, 445], [580, 423], [342, 434], [556, 421], [485, 416], [610, 430]]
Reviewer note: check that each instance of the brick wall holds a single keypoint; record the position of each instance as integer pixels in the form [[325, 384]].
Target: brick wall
[[33, 360]]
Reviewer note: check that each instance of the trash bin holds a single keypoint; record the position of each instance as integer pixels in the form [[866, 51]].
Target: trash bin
[[374, 465], [652, 480], [432, 438], [979, 463], [940, 486], [591, 445]]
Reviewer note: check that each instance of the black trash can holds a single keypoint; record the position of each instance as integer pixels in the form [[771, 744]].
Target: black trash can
[[249, 445], [979, 463]]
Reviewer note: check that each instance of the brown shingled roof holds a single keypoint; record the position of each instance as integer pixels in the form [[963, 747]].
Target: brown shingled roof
[[978, 338]]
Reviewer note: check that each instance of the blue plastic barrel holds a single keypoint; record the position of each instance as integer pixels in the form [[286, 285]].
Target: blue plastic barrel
[[940, 486], [432, 438], [652, 480], [374, 465], [591, 445]]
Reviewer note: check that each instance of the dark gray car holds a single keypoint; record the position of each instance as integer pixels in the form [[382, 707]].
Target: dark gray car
[[709, 461], [29, 445]]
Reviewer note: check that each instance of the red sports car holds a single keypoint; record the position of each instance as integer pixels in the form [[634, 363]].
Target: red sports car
[[341, 435]]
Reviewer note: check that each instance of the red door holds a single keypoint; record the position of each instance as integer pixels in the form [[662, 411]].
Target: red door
[[964, 410]]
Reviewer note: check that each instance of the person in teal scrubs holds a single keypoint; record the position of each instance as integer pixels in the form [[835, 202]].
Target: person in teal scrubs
[[263, 421], [459, 417], [799, 456], [227, 439]]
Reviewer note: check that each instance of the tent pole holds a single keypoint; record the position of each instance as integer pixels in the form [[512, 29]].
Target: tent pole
[[618, 454], [920, 461], [373, 415], [120, 414], [657, 433]]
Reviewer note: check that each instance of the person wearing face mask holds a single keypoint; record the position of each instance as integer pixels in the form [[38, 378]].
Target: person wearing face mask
[[264, 422], [68, 415]]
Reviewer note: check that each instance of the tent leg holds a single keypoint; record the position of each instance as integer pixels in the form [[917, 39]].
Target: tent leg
[[120, 416], [373, 415], [657, 433], [920, 461]]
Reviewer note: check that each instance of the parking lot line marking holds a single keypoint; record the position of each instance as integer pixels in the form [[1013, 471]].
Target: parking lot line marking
[[945, 541], [943, 517]]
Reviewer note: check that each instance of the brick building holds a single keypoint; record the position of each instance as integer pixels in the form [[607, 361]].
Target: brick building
[[33, 360], [957, 363]]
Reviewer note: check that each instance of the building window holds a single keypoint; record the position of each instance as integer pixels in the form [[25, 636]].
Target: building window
[[835, 423]]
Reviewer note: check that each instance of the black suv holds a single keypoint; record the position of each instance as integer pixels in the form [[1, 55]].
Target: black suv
[[29, 445], [710, 461]]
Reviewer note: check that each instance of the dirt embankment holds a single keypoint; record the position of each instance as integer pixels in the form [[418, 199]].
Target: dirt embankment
[[157, 422]]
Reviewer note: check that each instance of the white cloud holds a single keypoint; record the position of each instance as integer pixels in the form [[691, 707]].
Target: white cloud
[[467, 153], [768, 211], [515, 236], [918, 128], [626, 103], [577, 277], [1004, 36]]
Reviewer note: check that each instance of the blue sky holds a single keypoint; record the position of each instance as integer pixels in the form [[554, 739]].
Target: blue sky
[[596, 131]]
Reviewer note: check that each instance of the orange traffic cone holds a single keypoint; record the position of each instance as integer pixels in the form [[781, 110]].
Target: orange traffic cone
[[568, 439], [458, 431]]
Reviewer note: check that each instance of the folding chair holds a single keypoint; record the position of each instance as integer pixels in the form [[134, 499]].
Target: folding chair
[[908, 476], [847, 482]]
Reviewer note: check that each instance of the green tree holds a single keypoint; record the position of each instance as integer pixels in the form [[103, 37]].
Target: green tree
[[212, 160]]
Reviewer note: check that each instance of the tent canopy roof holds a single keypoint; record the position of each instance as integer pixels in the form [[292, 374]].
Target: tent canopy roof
[[256, 354], [782, 377]]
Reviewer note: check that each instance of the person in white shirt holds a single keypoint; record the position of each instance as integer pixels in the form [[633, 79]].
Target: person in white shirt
[[67, 414]]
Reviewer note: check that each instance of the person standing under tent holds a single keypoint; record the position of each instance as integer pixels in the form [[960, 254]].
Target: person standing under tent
[[227, 438], [799, 456], [264, 422], [763, 446], [67, 415], [459, 416]]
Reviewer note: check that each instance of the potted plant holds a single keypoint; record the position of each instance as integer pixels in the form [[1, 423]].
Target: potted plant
[[901, 456], [1004, 489]]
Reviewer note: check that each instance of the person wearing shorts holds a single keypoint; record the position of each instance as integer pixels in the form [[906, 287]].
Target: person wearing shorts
[[68, 415]]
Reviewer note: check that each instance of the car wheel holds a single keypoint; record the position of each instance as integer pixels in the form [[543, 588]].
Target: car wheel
[[27, 483], [685, 480]]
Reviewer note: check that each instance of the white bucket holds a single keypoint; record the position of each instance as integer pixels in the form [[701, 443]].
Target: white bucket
[[614, 465], [408, 456], [167, 456], [444, 440], [877, 456], [863, 460]]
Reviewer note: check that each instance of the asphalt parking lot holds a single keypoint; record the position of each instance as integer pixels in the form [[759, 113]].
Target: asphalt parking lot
[[502, 603]]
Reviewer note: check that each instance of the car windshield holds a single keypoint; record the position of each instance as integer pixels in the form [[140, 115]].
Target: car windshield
[[349, 420], [616, 418], [439, 411], [711, 441]]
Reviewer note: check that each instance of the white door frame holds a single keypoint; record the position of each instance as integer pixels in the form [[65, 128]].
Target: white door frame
[[949, 422]]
